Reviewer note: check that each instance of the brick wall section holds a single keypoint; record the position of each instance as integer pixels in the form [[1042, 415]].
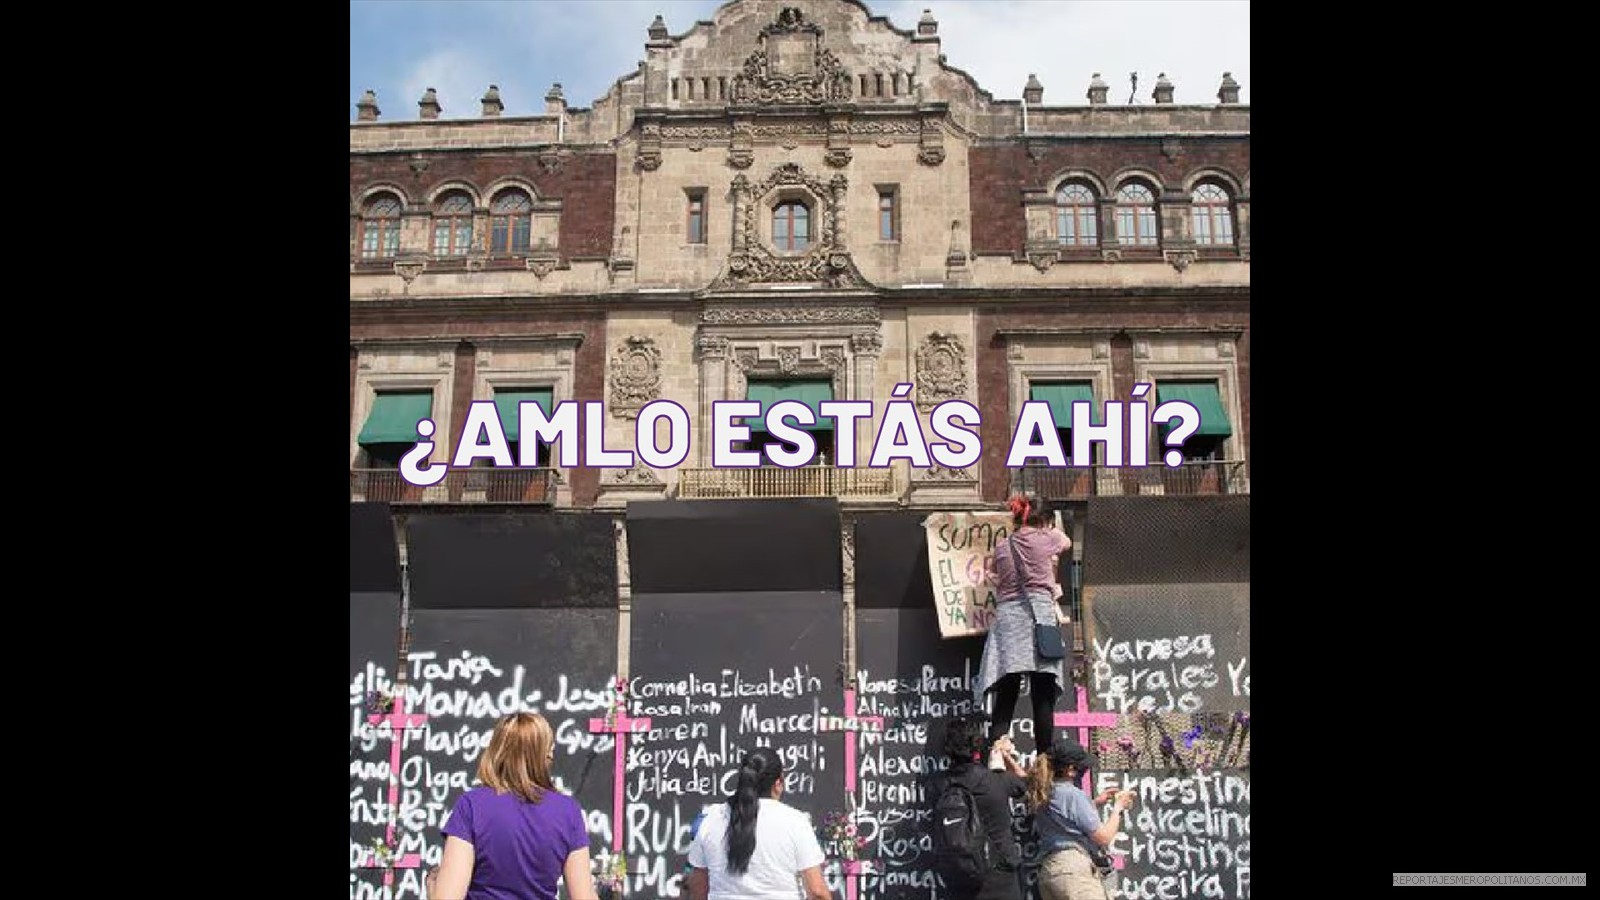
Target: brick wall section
[[585, 183], [466, 367], [999, 174], [589, 383], [589, 362], [993, 386]]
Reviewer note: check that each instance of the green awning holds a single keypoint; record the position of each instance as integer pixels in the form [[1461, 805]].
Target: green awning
[[393, 419], [811, 393], [505, 403], [1206, 399], [1060, 396]]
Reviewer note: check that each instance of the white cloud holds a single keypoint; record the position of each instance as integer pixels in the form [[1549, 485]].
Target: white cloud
[[1000, 42], [458, 78], [586, 46]]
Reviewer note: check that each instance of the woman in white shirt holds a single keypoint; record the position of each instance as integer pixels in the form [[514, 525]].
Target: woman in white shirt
[[755, 847]]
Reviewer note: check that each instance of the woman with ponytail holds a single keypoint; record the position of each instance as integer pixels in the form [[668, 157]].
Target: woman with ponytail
[[1023, 572], [1068, 828], [756, 847]]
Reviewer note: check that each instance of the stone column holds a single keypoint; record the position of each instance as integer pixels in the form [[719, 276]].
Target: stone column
[[1241, 224], [713, 350], [1110, 247], [867, 346]]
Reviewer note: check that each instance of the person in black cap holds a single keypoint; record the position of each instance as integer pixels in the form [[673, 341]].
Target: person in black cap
[[992, 791], [1069, 830]]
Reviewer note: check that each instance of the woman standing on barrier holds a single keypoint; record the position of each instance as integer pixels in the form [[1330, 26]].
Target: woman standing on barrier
[[1023, 572], [1072, 838], [755, 847], [514, 836]]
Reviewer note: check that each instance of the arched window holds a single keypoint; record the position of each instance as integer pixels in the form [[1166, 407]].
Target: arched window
[[791, 227], [1136, 216], [452, 225], [510, 222], [1076, 216], [380, 227], [1212, 216]]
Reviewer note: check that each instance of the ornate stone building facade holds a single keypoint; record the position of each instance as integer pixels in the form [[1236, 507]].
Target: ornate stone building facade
[[798, 199]]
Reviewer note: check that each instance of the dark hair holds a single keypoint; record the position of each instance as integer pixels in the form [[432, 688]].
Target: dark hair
[[1030, 509], [964, 738], [759, 771]]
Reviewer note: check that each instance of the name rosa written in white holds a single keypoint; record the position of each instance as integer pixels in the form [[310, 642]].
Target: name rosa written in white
[[899, 435]]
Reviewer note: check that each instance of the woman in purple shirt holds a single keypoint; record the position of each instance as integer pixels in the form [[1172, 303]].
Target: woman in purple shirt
[[512, 837]]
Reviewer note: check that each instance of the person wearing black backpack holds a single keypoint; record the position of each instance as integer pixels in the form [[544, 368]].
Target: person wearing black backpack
[[974, 852]]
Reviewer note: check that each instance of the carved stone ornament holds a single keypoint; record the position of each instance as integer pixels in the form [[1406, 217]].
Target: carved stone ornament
[[410, 269], [541, 266], [788, 360], [1180, 259], [788, 315], [1110, 254], [940, 474], [741, 147], [791, 66], [833, 358], [635, 376], [868, 343], [1171, 147], [650, 146], [941, 370], [1043, 255], [711, 346], [640, 474], [825, 263], [931, 152]]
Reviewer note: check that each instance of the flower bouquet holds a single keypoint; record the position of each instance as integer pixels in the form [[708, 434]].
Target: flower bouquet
[[840, 838], [611, 879]]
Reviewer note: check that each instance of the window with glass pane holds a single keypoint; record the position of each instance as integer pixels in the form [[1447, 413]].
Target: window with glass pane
[[510, 222], [888, 218], [697, 217], [452, 225], [1136, 216], [791, 227], [380, 227], [1212, 216], [1075, 216]]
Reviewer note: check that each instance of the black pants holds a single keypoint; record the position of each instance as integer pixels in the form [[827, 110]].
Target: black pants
[[1042, 689]]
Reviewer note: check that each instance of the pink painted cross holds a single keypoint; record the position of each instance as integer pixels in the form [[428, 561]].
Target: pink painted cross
[[853, 867], [619, 725], [1084, 719], [399, 722]]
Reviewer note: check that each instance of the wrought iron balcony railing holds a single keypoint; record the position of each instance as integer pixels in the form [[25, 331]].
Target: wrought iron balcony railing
[[775, 481], [526, 486], [1220, 476]]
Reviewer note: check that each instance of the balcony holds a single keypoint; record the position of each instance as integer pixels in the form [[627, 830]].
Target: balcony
[[522, 486], [1219, 476], [805, 481]]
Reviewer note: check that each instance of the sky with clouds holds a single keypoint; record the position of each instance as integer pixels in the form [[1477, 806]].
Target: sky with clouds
[[399, 48]]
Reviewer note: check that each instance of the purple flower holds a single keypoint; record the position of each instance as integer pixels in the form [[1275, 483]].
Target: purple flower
[[1192, 735], [1242, 719], [1166, 745]]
